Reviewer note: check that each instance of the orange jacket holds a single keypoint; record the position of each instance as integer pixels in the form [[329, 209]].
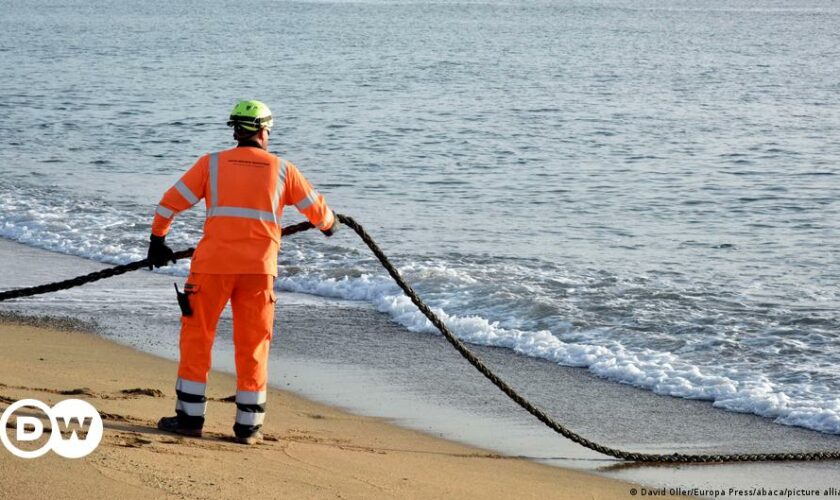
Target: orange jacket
[[245, 190]]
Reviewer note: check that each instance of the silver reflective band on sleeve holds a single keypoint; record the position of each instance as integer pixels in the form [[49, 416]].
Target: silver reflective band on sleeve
[[249, 418], [164, 212], [191, 409], [250, 397], [214, 179], [190, 387], [307, 202], [245, 213], [186, 193]]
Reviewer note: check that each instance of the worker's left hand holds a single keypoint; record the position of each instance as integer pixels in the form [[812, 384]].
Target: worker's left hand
[[159, 253]]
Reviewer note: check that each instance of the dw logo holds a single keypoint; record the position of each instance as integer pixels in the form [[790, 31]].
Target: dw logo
[[75, 428]]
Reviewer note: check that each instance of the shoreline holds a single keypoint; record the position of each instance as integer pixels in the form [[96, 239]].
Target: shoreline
[[323, 354], [311, 450]]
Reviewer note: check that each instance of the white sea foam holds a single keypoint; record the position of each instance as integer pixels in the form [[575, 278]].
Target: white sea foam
[[661, 372], [84, 229]]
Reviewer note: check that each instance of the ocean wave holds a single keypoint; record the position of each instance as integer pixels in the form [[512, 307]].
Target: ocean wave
[[664, 373]]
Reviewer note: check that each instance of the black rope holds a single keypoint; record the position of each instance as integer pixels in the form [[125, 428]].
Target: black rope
[[466, 353]]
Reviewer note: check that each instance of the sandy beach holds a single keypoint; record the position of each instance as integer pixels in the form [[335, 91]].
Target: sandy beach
[[311, 450]]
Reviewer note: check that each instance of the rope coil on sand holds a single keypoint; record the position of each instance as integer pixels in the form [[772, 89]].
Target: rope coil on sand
[[463, 350]]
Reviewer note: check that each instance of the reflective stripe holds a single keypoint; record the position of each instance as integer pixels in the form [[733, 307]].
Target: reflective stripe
[[307, 202], [281, 183], [191, 409], [186, 193], [246, 213], [275, 199], [190, 387], [164, 212], [284, 168], [214, 179], [249, 418], [328, 221], [250, 397]]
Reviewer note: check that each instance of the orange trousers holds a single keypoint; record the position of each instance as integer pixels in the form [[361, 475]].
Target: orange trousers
[[252, 300]]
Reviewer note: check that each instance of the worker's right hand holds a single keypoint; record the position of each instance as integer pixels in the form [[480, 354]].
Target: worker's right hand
[[159, 254]]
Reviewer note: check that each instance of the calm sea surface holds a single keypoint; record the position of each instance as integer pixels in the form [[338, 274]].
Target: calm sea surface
[[645, 188]]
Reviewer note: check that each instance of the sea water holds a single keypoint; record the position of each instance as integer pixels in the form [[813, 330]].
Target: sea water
[[648, 190]]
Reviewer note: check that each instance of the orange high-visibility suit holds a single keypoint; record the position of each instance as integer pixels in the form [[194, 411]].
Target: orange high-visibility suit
[[245, 190]]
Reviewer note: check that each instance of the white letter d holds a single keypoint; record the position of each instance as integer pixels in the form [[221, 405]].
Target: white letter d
[[23, 434]]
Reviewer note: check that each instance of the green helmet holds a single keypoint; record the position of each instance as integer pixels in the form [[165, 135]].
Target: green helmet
[[250, 115]]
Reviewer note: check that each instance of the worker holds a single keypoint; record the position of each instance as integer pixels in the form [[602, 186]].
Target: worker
[[244, 190]]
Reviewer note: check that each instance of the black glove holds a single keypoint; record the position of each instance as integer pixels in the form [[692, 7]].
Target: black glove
[[159, 254], [332, 230]]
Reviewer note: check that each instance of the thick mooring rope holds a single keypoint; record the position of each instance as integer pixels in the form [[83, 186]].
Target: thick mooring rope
[[465, 352]]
